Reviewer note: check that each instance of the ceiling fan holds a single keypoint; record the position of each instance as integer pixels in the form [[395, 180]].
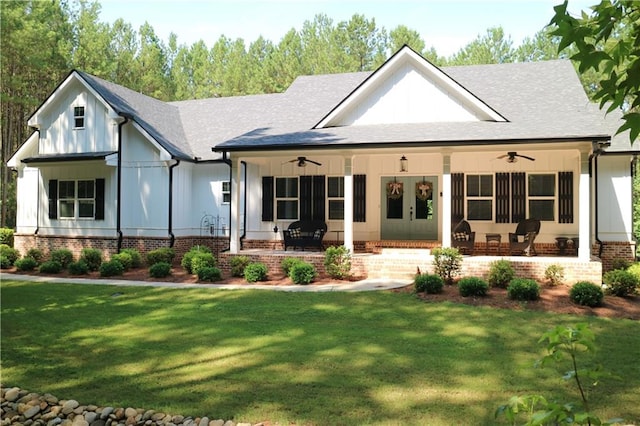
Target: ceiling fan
[[302, 161], [511, 157]]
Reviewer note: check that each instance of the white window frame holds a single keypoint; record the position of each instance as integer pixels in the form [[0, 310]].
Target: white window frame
[[287, 198], [226, 192], [480, 197], [553, 197], [77, 116], [75, 201], [338, 198]]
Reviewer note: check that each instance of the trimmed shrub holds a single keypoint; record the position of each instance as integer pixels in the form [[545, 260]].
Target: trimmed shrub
[[6, 236], [164, 254], [8, 256], [554, 274], [26, 264], [36, 254], [238, 263], [586, 293], [111, 268], [188, 257], [523, 289], [620, 282], [50, 267], [288, 263], [473, 286], [619, 263], [81, 267], [160, 270], [124, 258], [447, 263], [209, 273], [62, 256], [337, 262], [302, 273], [202, 260], [255, 271], [428, 283], [635, 270], [136, 257], [501, 273], [92, 257]]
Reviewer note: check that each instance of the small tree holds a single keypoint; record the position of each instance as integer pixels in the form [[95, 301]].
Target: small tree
[[447, 263], [337, 262]]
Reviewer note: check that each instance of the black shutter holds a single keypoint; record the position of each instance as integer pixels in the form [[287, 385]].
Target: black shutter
[[518, 197], [267, 198], [565, 197], [99, 199], [318, 198], [502, 198], [306, 198], [53, 199], [359, 198], [457, 196]]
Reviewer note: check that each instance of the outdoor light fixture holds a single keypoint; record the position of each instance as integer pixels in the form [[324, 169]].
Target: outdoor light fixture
[[404, 164]]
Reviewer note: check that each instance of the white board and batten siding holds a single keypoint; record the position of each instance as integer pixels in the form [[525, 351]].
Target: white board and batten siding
[[615, 203]]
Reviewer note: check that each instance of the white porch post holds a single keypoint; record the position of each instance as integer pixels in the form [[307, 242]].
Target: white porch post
[[234, 236], [348, 203], [584, 203], [446, 200]]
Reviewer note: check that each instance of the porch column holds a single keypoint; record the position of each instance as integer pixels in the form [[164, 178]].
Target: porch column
[[234, 231], [446, 200], [348, 203], [584, 224]]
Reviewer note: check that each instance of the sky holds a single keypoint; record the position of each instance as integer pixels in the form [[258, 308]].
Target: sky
[[445, 25]]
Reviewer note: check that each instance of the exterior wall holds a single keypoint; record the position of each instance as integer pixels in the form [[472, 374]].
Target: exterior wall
[[615, 201], [27, 206]]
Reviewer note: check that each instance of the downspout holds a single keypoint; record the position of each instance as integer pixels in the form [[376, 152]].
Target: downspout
[[227, 161], [37, 195], [595, 155], [172, 237], [244, 213], [126, 117]]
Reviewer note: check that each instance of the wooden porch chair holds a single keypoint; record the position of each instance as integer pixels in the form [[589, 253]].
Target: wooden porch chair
[[463, 238], [522, 240]]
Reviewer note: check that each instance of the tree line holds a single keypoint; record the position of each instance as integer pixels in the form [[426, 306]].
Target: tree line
[[43, 41]]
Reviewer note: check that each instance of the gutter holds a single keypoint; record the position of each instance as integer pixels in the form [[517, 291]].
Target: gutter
[[126, 117], [172, 237]]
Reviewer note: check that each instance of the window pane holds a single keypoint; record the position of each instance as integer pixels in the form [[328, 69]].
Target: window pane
[[66, 189], [85, 189], [67, 209], [287, 209], [335, 186], [394, 208], [473, 186], [286, 187], [542, 185], [542, 209], [336, 209], [78, 111], [486, 186], [479, 210], [226, 186], [226, 197], [85, 209]]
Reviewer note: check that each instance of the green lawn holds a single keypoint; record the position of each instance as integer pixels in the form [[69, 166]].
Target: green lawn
[[304, 358]]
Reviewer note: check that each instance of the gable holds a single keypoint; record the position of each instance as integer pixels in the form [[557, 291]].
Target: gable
[[409, 89]]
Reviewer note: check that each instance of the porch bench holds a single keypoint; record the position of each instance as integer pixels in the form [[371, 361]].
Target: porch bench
[[304, 233]]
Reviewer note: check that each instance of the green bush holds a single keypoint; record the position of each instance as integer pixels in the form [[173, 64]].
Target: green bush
[[81, 267], [447, 262], [50, 267], [36, 254], [62, 256], [473, 286], [523, 289], [620, 282], [26, 264], [164, 254], [209, 273], [554, 274], [188, 257], [337, 262], [501, 273], [619, 263], [586, 293], [238, 263], [255, 271], [428, 283], [136, 258], [9, 256], [160, 270], [111, 268], [6, 236], [92, 257], [202, 260], [124, 259], [635, 270], [302, 273], [288, 263]]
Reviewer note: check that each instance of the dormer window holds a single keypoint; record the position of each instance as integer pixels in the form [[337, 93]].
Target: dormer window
[[78, 117]]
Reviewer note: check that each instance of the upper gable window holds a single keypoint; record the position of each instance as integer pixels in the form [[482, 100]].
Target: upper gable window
[[78, 117]]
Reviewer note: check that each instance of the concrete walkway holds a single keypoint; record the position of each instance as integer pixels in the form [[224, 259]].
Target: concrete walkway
[[364, 285]]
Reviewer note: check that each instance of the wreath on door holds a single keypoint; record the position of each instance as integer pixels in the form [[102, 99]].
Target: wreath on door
[[424, 190], [395, 189]]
